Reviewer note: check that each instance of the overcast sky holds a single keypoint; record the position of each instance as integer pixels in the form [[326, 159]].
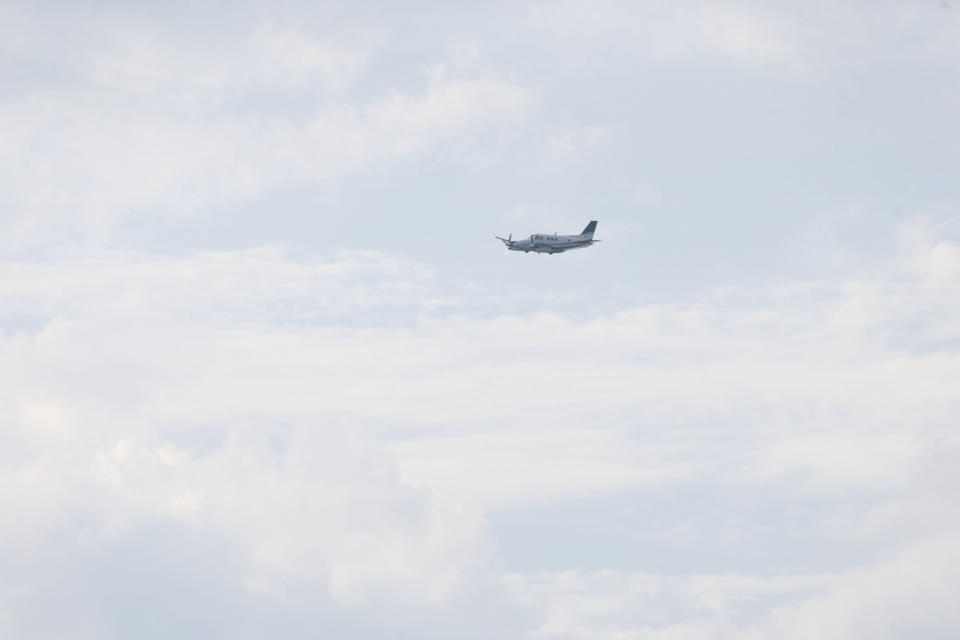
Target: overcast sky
[[265, 371]]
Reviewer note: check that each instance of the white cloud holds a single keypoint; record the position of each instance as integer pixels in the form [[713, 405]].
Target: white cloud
[[155, 127], [848, 461], [80, 163], [246, 443], [779, 35], [292, 56], [535, 466], [898, 597], [927, 256], [616, 604], [240, 395], [737, 31], [741, 33]]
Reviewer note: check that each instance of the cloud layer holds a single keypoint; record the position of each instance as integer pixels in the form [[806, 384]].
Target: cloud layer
[[361, 465], [265, 371]]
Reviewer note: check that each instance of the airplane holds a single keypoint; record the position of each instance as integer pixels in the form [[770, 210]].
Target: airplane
[[543, 243]]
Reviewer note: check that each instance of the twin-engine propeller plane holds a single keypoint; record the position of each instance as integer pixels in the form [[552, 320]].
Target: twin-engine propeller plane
[[543, 243]]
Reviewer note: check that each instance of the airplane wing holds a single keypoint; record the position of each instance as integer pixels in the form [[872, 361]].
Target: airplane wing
[[579, 246]]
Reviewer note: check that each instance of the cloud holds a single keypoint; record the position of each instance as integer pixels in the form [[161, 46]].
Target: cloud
[[85, 164], [504, 470], [615, 604], [897, 597], [341, 430], [774, 35], [250, 442], [741, 33], [156, 124]]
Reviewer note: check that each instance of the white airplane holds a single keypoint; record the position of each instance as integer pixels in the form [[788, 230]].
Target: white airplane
[[542, 243]]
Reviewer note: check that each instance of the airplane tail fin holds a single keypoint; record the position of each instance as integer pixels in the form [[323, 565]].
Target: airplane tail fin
[[590, 228]]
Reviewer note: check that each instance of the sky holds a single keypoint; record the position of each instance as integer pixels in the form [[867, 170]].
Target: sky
[[265, 371]]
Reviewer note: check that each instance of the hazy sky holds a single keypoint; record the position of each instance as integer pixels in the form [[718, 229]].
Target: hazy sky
[[265, 371]]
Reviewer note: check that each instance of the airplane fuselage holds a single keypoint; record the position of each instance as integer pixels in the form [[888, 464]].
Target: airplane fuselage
[[553, 243], [541, 243]]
